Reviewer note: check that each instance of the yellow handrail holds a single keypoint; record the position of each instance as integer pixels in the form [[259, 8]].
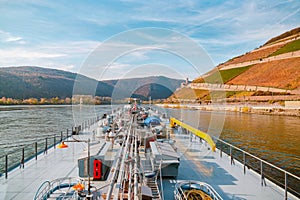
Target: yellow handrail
[[195, 131]]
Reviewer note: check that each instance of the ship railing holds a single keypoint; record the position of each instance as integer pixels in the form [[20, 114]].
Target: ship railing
[[48, 188], [21, 152], [180, 194], [286, 180]]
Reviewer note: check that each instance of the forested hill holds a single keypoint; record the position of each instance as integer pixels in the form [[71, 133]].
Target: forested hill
[[36, 82]]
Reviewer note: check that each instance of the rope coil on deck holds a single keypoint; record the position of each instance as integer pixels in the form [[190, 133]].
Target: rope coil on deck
[[196, 195]]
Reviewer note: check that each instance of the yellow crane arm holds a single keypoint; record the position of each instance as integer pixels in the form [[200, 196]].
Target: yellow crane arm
[[195, 131]]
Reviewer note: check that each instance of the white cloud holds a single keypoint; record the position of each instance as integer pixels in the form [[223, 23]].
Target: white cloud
[[72, 47], [7, 37], [67, 67], [118, 66], [225, 29], [27, 54], [13, 39], [63, 55], [289, 15]]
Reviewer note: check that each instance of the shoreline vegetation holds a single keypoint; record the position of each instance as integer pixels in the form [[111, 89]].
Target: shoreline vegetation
[[265, 108], [57, 101]]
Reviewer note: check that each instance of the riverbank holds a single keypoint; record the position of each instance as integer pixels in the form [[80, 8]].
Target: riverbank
[[265, 109]]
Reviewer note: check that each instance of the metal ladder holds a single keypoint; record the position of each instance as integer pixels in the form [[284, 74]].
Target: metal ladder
[[152, 183]]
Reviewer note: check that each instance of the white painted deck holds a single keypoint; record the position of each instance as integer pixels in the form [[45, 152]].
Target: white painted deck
[[228, 180], [57, 163]]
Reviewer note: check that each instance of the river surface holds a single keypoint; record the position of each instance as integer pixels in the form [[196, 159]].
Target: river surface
[[26, 124], [272, 138], [275, 139]]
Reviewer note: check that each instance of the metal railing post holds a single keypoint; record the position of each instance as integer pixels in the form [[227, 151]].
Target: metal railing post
[[46, 146], [54, 141], [244, 162], [6, 166], [231, 157], [22, 159], [285, 186], [263, 181], [35, 147]]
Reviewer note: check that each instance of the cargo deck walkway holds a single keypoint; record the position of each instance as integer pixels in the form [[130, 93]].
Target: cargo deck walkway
[[196, 164], [57, 163], [200, 164]]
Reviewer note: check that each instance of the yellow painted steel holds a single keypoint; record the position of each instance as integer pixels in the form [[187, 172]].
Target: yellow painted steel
[[195, 131]]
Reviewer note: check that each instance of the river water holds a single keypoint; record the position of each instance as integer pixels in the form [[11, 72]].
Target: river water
[[26, 124], [275, 139], [272, 138]]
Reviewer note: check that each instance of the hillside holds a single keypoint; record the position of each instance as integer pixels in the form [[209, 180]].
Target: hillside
[[284, 43], [283, 74], [274, 66], [156, 87], [26, 82], [284, 36]]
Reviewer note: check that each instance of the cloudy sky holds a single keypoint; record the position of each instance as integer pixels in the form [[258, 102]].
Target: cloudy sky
[[113, 39]]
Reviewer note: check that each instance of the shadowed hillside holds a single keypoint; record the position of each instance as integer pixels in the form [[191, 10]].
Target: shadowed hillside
[[156, 87], [27, 82]]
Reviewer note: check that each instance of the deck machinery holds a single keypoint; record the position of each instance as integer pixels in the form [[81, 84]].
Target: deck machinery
[[130, 168]]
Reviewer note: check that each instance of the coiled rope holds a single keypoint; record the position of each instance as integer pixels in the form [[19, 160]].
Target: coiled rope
[[196, 195]]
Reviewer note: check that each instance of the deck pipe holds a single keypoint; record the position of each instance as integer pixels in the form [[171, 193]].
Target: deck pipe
[[135, 183], [130, 171], [112, 182], [121, 171]]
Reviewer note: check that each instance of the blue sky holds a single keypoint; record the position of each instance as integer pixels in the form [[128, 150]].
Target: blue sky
[[64, 34]]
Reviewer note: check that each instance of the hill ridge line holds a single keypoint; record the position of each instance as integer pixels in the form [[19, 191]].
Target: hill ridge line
[[277, 43]]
